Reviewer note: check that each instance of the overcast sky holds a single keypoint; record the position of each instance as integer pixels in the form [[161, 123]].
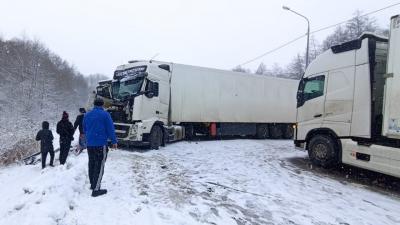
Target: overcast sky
[[98, 35]]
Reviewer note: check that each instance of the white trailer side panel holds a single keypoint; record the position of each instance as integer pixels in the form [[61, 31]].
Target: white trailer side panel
[[209, 95], [391, 119]]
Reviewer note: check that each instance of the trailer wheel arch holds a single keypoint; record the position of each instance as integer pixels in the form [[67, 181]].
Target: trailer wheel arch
[[325, 131]]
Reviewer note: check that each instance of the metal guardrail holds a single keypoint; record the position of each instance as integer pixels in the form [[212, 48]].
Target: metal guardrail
[[36, 157]]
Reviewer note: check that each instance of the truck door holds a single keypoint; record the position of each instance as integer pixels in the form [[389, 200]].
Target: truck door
[[339, 100], [310, 104]]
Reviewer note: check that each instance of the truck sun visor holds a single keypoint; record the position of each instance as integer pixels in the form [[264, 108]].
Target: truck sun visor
[[119, 74]]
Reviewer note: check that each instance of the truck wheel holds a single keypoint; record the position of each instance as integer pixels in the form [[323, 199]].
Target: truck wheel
[[322, 151], [189, 132], [275, 131], [288, 132], [156, 137], [262, 131]]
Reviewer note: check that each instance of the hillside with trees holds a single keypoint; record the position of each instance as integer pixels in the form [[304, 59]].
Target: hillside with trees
[[35, 85]]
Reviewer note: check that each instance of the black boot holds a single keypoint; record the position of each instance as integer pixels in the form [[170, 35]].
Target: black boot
[[99, 192]]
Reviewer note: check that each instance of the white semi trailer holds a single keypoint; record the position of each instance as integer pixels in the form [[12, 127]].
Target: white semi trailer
[[348, 104], [158, 102]]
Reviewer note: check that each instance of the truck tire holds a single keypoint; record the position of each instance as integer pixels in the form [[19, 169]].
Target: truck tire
[[189, 132], [288, 132], [323, 151], [275, 131], [262, 131], [156, 137]]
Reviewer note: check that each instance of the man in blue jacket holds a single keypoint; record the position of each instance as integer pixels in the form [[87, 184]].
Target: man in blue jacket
[[99, 128]]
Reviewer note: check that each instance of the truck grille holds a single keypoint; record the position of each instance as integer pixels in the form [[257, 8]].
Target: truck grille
[[118, 115], [121, 131]]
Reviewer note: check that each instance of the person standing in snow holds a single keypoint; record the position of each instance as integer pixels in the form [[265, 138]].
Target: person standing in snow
[[79, 124], [45, 136], [66, 132], [98, 128]]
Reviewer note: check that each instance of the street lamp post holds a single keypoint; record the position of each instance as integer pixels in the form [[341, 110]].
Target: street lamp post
[[308, 32]]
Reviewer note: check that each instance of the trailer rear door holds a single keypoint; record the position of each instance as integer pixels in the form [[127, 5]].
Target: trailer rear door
[[391, 120]]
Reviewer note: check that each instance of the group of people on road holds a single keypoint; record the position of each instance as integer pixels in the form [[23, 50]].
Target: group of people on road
[[95, 129]]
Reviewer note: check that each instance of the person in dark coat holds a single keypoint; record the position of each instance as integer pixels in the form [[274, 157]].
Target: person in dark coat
[[79, 124], [66, 132], [99, 128], [45, 136]]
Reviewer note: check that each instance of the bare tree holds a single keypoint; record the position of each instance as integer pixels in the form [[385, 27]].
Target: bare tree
[[241, 69]]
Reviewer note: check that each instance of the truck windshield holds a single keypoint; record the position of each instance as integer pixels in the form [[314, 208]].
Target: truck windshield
[[129, 87], [103, 91]]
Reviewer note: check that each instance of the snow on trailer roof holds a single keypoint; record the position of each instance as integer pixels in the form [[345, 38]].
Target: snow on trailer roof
[[134, 63]]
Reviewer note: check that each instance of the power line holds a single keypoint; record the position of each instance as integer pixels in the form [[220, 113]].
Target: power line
[[313, 32], [273, 50], [345, 21]]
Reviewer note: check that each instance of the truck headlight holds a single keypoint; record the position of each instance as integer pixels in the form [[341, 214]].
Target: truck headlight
[[133, 130]]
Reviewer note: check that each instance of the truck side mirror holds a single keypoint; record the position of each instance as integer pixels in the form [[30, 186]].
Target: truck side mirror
[[155, 89], [300, 94], [151, 89]]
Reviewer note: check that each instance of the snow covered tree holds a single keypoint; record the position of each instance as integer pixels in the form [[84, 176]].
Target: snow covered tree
[[296, 67], [93, 79], [277, 70], [351, 30], [241, 69], [262, 69], [360, 24], [35, 85]]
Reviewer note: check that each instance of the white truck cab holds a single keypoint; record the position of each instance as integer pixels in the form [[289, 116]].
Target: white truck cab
[[141, 90], [344, 101]]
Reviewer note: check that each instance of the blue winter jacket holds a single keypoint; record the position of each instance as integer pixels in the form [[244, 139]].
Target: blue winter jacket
[[98, 127]]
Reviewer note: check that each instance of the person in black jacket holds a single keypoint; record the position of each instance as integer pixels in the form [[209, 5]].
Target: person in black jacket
[[79, 124], [66, 132], [45, 136]]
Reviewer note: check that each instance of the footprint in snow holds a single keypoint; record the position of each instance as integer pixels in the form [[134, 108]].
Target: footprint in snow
[[19, 207], [27, 190]]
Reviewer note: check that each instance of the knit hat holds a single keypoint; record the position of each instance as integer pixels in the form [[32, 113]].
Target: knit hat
[[98, 102], [65, 115]]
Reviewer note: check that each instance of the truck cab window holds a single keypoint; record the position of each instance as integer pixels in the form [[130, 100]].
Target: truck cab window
[[314, 88], [311, 88], [103, 91], [152, 87]]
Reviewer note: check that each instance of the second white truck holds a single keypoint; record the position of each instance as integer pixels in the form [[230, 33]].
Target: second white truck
[[348, 104], [158, 102]]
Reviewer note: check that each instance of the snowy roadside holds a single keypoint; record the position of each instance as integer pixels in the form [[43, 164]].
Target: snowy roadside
[[209, 182]]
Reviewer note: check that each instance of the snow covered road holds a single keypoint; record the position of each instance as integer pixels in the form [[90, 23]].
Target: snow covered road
[[208, 182]]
